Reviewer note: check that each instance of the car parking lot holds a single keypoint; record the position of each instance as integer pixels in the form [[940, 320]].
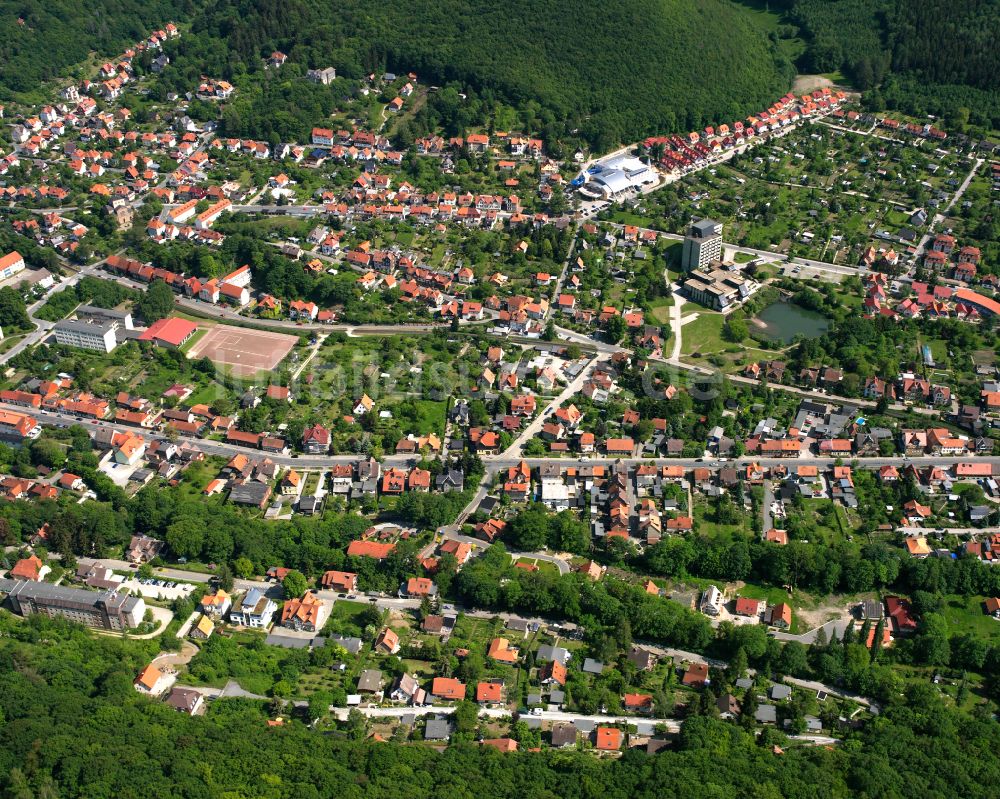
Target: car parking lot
[[158, 589]]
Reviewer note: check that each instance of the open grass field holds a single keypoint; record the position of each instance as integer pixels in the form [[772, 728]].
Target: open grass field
[[660, 309], [243, 352], [703, 334], [967, 615]]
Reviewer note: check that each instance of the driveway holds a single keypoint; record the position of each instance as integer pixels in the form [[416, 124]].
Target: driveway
[[831, 628]]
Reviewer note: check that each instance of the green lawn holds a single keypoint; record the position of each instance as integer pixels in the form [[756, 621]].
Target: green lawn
[[430, 416], [543, 565], [660, 309], [704, 334], [705, 523], [966, 615], [198, 334], [346, 613], [628, 218]]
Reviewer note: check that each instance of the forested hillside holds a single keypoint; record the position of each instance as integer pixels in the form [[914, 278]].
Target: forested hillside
[[925, 56], [40, 41], [614, 70], [71, 725]]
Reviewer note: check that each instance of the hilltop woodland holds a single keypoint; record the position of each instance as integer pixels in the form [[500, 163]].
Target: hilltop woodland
[[920, 56], [71, 725], [559, 64], [42, 41]]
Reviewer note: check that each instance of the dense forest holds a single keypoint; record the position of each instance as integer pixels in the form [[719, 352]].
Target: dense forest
[[71, 725], [923, 56], [41, 41], [612, 71]]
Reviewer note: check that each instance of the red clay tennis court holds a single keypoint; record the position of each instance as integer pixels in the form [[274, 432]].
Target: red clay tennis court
[[243, 352]]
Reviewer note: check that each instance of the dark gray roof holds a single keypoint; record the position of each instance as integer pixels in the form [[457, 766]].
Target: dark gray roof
[[183, 698], [592, 666], [90, 328], [370, 681], [352, 645], [704, 228], [288, 641], [252, 493], [564, 734], [437, 729], [71, 596], [780, 691], [547, 652]]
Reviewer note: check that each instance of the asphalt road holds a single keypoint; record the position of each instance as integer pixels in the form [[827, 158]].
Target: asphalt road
[[495, 462]]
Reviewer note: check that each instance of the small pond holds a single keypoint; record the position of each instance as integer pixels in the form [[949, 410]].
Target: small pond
[[783, 321]]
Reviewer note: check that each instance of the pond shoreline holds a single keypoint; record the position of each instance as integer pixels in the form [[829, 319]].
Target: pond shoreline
[[783, 320]]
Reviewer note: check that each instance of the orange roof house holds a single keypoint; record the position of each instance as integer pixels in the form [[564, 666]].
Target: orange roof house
[[501, 744], [781, 616], [370, 549], [553, 671], [148, 679], [306, 612], [387, 642], [448, 688], [696, 675], [489, 692], [775, 536], [501, 651], [339, 581], [609, 739], [638, 701], [29, 568], [171, 332], [419, 586]]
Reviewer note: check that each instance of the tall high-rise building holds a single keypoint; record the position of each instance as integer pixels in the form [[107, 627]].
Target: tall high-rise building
[[702, 245]]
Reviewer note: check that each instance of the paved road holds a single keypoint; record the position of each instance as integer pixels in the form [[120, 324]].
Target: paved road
[[768, 522], [532, 430], [208, 447], [556, 561], [509, 458], [941, 215], [586, 722], [43, 326], [673, 725], [831, 628]]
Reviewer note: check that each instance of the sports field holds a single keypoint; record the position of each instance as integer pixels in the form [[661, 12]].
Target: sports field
[[243, 352]]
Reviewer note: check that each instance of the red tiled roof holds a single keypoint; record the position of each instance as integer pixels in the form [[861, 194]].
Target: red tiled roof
[[173, 331]]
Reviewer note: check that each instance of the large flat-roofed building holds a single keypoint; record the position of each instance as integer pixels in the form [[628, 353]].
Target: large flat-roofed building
[[98, 336], [615, 176], [91, 313], [718, 288], [702, 245], [108, 610]]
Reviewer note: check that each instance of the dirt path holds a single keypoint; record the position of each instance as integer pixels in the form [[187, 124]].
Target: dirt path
[[175, 659], [809, 83]]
